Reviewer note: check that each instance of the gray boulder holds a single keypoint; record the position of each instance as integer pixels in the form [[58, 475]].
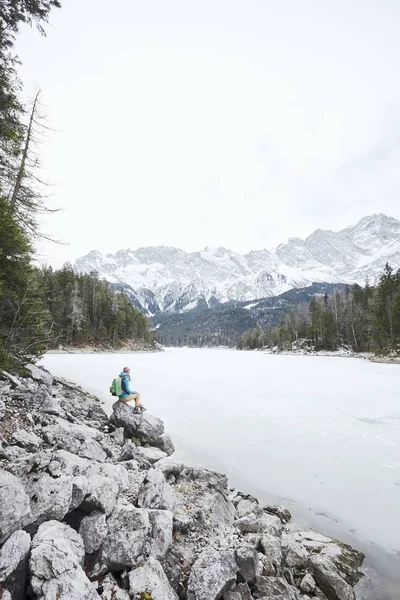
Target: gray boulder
[[14, 505], [161, 533], [124, 416], [164, 443], [294, 554], [92, 450], [212, 574], [118, 436], [248, 563], [14, 558], [49, 498], [329, 580], [93, 530], [117, 473], [202, 503], [244, 591], [150, 428], [150, 579], [345, 559], [41, 375], [45, 403], [112, 591], [272, 548], [147, 428], [246, 506], [271, 587], [307, 584], [80, 486], [27, 439], [102, 493], [62, 433], [155, 492], [128, 452], [253, 523], [128, 542], [232, 595], [56, 564], [267, 567], [153, 455], [280, 511]]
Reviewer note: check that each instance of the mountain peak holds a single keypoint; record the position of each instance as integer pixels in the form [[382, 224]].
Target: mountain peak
[[166, 278]]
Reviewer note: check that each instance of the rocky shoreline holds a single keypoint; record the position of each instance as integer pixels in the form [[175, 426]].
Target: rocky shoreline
[[93, 507]]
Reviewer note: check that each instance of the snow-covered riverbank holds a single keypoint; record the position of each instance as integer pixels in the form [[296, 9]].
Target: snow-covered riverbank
[[92, 507]]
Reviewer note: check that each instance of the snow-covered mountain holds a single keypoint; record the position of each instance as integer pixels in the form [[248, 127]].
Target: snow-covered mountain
[[167, 279]]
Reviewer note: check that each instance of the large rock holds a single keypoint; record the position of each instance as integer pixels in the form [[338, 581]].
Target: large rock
[[56, 564], [202, 503], [271, 587], [307, 584], [14, 557], [147, 428], [329, 580], [150, 582], [102, 493], [244, 591], [92, 450], [112, 591], [119, 436], [294, 554], [280, 511], [272, 548], [45, 403], [264, 523], [212, 574], [80, 486], [76, 438], [151, 454], [14, 505], [248, 563], [49, 498], [41, 375], [165, 443], [150, 428], [346, 559], [27, 439], [129, 540], [156, 492], [128, 452], [161, 533], [93, 530]]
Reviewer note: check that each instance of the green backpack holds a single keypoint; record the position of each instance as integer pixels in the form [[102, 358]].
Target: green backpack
[[116, 387]]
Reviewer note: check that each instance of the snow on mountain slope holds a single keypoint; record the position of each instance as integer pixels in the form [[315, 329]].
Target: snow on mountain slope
[[163, 278]]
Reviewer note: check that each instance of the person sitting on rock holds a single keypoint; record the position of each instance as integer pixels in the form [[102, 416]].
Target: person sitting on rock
[[129, 394]]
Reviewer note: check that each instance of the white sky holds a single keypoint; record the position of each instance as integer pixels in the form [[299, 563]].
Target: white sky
[[216, 122]]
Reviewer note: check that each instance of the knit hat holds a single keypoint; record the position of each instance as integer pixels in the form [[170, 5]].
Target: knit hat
[[126, 370]]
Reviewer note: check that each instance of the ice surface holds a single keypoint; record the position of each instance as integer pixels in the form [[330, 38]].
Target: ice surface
[[320, 434]]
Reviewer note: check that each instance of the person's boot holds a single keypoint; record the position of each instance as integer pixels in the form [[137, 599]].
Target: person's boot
[[137, 410], [142, 409]]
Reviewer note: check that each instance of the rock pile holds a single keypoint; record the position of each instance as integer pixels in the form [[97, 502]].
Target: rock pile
[[93, 507]]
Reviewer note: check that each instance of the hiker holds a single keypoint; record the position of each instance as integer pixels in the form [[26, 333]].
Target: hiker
[[120, 387]]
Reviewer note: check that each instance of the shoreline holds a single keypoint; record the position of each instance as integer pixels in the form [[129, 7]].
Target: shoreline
[[100, 350], [294, 554], [369, 356]]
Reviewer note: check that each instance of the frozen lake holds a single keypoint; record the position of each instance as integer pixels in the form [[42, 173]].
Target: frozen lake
[[319, 434]]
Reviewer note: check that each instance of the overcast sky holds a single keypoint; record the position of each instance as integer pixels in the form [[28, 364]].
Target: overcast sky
[[199, 123]]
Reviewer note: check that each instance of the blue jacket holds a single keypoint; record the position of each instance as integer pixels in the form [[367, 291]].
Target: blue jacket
[[125, 379]]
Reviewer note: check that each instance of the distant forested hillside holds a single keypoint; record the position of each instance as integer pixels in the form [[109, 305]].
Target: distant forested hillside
[[223, 324], [366, 319]]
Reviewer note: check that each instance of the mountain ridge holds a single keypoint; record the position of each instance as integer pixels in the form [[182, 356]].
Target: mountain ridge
[[164, 278]]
